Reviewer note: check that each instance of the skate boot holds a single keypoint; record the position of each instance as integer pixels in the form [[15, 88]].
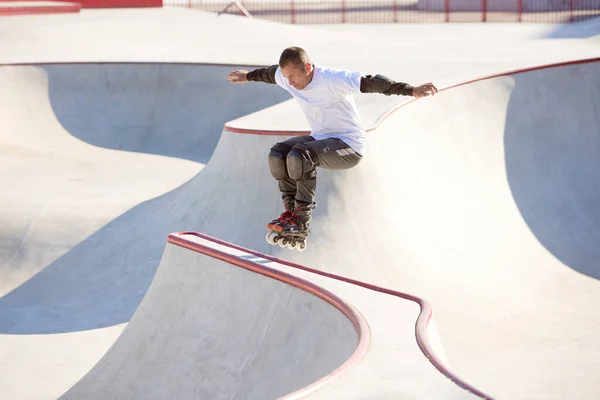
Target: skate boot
[[277, 224], [295, 231]]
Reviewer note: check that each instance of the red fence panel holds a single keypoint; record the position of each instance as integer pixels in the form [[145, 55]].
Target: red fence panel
[[119, 3], [399, 11]]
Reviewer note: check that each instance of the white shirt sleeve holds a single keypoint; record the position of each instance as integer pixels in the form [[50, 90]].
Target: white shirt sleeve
[[279, 78], [345, 82]]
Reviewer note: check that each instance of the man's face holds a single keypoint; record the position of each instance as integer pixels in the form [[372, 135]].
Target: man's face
[[299, 78]]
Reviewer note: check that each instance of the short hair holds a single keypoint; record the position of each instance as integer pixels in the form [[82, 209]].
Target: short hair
[[296, 56]]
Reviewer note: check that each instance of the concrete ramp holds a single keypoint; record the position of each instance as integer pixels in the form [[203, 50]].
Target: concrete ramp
[[91, 156], [173, 110], [508, 264], [552, 157], [481, 199], [89, 143], [223, 322], [210, 330]]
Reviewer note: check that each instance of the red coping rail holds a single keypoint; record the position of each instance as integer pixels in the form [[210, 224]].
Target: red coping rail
[[426, 312], [420, 325], [358, 321]]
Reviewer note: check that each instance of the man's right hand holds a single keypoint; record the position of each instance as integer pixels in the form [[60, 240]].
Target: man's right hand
[[238, 76], [425, 90]]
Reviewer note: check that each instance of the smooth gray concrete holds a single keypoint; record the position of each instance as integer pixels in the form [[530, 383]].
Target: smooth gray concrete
[[475, 203], [83, 226], [174, 110], [210, 330], [87, 151], [79, 111], [393, 366]]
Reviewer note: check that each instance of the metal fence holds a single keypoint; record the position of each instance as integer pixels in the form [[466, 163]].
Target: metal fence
[[401, 11]]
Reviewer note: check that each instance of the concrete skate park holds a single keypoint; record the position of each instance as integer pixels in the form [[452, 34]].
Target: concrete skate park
[[458, 260]]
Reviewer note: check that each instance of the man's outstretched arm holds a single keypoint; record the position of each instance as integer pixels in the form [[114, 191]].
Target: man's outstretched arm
[[266, 75], [388, 87]]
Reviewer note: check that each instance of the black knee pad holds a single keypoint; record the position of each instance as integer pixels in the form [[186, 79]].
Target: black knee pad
[[301, 163], [277, 158], [277, 164]]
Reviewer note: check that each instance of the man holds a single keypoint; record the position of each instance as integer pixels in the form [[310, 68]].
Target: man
[[337, 139]]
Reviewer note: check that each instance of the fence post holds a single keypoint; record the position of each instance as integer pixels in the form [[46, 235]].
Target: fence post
[[520, 10], [572, 6], [483, 10], [343, 11], [293, 11], [395, 11], [447, 10]]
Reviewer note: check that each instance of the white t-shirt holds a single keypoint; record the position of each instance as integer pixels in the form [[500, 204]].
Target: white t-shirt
[[328, 105]]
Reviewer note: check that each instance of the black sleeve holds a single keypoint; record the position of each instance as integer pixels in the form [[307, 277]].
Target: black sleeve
[[384, 85], [266, 75]]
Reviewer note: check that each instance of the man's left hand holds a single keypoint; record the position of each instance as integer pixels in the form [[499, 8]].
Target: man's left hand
[[425, 90]]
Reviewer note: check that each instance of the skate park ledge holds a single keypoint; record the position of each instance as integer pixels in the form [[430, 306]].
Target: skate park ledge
[[364, 304]]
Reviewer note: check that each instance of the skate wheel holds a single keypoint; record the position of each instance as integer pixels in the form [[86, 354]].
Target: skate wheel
[[271, 237], [301, 246], [282, 243], [291, 245]]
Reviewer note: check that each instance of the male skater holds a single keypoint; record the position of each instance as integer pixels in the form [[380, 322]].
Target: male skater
[[337, 139]]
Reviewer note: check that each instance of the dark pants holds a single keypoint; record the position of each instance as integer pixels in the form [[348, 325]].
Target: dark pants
[[327, 153]]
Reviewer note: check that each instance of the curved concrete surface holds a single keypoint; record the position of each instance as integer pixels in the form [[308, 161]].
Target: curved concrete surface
[[78, 108], [241, 330], [88, 152], [402, 336], [174, 110], [452, 246], [452, 226], [210, 330], [83, 226]]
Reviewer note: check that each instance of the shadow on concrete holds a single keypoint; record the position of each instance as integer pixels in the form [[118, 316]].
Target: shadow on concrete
[[101, 281], [98, 283], [586, 26], [553, 161], [174, 110]]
